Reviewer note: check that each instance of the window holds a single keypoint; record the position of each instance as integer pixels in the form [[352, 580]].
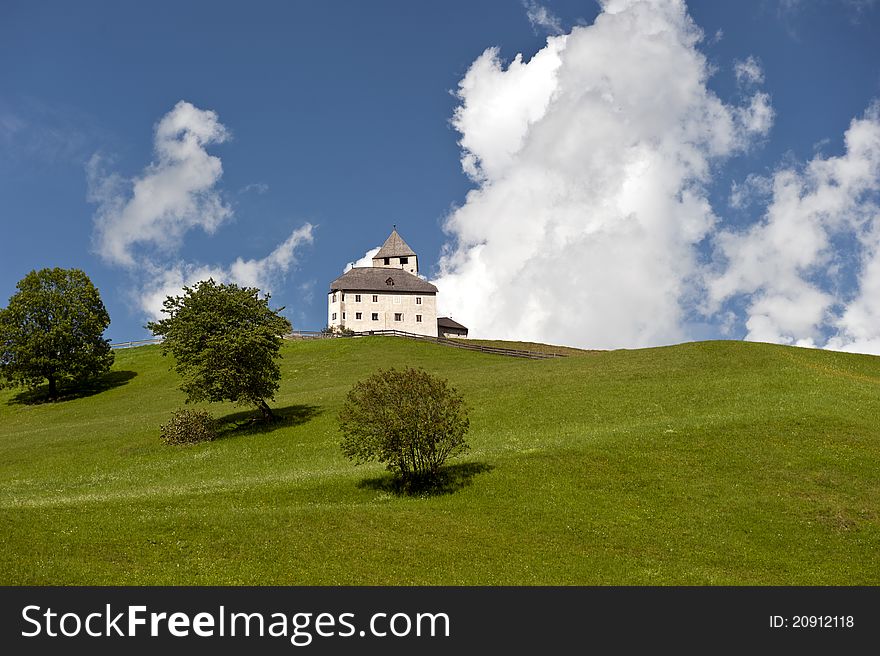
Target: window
[[398, 316], [343, 316], [387, 261], [358, 315], [375, 298], [404, 260], [374, 316], [333, 300], [418, 318], [343, 296], [389, 281], [397, 300], [357, 298], [334, 316], [418, 300]]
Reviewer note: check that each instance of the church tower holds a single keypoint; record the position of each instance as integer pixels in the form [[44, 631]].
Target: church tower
[[396, 253]]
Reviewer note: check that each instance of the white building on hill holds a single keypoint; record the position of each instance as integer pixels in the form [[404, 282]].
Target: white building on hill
[[389, 295]]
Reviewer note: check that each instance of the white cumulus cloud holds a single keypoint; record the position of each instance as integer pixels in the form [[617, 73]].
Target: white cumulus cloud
[[365, 261], [591, 161], [172, 195], [785, 265]]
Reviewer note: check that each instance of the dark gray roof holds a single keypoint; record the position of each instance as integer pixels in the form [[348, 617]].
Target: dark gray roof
[[446, 322], [394, 246], [375, 279]]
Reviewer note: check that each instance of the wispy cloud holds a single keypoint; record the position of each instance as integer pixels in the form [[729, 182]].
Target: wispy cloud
[[33, 131], [754, 189], [259, 188], [542, 18], [141, 223], [789, 12], [748, 71], [265, 273]]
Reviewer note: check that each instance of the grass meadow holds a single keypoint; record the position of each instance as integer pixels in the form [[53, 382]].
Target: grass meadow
[[711, 463]]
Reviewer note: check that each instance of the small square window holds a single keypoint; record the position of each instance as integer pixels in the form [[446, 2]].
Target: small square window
[[397, 300], [358, 315], [404, 260], [375, 298], [375, 316], [418, 300], [357, 298], [387, 261], [398, 316], [418, 318]]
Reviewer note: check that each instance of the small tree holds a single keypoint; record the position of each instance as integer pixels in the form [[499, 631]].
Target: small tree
[[225, 340], [52, 330], [410, 420]]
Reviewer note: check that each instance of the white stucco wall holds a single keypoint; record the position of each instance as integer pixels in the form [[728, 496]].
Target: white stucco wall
[[386, 306]]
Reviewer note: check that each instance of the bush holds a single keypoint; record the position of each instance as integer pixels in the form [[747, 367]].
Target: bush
[[409, 420], [188, 427], [337, 331]]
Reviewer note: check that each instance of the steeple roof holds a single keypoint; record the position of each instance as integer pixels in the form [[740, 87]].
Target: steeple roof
[[394, 246]]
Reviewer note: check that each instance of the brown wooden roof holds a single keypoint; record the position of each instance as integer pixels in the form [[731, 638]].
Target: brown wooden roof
[[446, 322], [376, 279], [394, 246]]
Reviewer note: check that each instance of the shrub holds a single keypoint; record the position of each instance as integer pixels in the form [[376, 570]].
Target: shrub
[[409, 420], [337, 331], [188, 427]]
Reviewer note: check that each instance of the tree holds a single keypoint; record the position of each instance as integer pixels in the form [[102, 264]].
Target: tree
[[52, 330], [225, 340], [409, 420]]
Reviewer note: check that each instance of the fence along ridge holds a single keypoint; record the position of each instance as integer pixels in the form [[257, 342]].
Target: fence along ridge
[[136, 342]]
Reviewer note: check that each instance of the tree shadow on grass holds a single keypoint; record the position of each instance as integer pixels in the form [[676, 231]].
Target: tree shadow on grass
[[248, 421], [450, 479], [89, 388]]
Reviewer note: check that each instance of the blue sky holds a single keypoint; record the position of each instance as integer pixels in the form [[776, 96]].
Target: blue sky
[[733, 208]]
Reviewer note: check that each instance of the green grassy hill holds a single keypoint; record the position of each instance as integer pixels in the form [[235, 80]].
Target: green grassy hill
[[704, 463]]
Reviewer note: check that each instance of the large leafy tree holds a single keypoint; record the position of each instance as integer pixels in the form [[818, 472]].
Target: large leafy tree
[[225, 340], [52, 331]]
